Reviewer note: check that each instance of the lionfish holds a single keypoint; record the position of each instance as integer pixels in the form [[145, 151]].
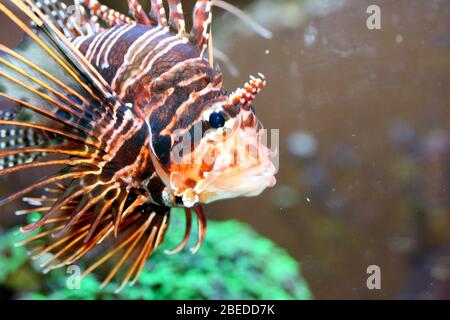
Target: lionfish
[[103, 96]]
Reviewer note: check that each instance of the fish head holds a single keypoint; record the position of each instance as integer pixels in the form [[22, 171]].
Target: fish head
[[222, 154]]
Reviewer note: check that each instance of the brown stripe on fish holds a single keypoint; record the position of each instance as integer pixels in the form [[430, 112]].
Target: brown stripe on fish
[[137, 58], [133, 52], [173, 88], [119, 131], [93, 46], [131, 162], [166, 113], [106, 50], [165, 55], [108, 43], [155, 187]]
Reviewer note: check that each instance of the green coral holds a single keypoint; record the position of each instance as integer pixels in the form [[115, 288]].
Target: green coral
[[233, 263], [12, 257]]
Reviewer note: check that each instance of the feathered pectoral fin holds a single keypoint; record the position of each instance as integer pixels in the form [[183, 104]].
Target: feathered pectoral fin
[[140, 233], [58, 95], [61, 100]]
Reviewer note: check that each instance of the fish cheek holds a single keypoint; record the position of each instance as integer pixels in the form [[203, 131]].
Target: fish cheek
[[162, 146]]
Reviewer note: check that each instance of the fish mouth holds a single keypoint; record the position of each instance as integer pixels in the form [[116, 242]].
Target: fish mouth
[[240, 165]]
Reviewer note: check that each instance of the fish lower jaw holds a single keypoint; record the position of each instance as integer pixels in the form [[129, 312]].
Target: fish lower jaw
[[190, 198]]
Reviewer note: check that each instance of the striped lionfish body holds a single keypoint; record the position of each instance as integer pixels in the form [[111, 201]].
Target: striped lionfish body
[[109, 101]]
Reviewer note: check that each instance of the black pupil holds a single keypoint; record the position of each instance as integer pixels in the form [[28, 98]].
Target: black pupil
[[216, 120]]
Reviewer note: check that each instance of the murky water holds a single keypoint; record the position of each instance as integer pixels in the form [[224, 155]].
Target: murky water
[[364, 140], [364, 156]]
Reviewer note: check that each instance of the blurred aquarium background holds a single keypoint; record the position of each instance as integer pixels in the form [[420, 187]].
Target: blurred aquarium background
[[364, 119]]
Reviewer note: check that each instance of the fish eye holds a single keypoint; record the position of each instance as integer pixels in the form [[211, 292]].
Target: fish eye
[[216, 120]]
